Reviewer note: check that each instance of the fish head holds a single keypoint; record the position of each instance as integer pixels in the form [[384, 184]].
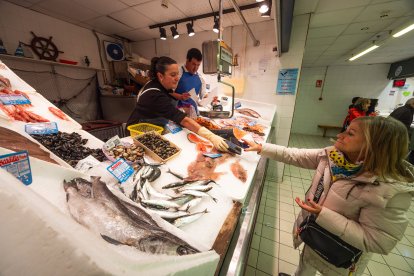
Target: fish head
[[163, 245]]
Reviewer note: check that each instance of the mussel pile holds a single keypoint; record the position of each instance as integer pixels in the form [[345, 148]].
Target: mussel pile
[[159, 146], [133, 153], [69, 146]]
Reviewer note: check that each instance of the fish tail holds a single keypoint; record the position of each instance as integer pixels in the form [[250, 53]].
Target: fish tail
[[111, 240]]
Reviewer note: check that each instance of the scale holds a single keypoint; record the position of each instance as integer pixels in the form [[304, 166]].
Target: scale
[[218, 59]]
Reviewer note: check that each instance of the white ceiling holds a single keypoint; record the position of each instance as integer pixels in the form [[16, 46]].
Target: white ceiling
[[338, 28], [131, 18]]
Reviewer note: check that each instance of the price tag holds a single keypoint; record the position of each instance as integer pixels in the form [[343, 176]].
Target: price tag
[[113, 142], [18, 164], [87, 163], [121, 170], [173, 127], [41, 128], [14, 99]]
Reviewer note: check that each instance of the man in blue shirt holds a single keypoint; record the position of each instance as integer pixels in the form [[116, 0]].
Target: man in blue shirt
[[190, 79]]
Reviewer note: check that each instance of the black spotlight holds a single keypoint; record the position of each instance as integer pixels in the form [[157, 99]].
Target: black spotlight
[[163, 34], [190, 29], [174, 32], [216, 25]]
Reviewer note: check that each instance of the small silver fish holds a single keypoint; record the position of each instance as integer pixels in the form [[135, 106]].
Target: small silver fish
[[200, 188], [179, 176], [169, 215], [174, 184], [189, 218], [191, 204], [198, 194], [160, 203], [180, 200], [154, 193]]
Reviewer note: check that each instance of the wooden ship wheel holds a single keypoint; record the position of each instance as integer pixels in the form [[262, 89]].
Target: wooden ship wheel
[[44, 48]]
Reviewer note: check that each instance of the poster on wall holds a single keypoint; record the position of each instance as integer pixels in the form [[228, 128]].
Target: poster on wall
[[286, 83]]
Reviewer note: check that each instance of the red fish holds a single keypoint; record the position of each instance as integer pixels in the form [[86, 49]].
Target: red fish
[[238, 171]]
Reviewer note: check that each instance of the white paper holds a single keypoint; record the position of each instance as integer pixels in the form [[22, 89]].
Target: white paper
[[207, 100], [194, 95]]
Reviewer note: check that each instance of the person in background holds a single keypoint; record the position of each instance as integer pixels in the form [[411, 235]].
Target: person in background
[[354, 99], [189, 79], [155, 103], [405, 115], [359, 109], [364, 187]]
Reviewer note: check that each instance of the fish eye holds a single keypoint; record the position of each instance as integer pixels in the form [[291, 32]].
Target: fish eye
[[181, 250]]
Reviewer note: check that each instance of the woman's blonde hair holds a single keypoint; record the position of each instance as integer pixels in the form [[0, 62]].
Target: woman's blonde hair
[[386, 147]]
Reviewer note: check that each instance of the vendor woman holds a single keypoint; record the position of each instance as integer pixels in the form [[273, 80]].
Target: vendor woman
[[156, 105]]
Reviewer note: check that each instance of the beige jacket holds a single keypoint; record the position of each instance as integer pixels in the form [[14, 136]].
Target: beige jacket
[[372, 217]]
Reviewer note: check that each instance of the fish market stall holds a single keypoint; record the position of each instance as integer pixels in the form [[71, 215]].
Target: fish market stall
[[173, 210]]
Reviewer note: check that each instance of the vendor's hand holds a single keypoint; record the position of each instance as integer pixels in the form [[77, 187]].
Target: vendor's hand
[[313, 207], [252, 146], [185, 96], [218, 142]]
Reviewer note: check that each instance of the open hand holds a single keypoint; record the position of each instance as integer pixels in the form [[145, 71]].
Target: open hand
[[252, 146], [313, 207]]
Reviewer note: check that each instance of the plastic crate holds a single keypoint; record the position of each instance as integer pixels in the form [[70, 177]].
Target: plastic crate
[[142, 128], [104, 130]]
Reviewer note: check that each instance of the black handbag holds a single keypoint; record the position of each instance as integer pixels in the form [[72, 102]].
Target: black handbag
[[329, 246]]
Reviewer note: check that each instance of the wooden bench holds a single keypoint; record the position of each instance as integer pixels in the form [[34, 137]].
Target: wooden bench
[[325, 128]]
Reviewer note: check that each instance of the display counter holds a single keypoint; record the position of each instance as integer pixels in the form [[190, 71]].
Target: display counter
[[221, 235]]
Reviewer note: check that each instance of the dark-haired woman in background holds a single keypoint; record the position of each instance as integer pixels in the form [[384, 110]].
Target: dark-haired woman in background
[[156, 105], [359, 109]]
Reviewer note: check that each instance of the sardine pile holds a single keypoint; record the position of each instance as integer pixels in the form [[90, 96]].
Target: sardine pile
[[174, 209], [69, 146], [157, 144], [94, 206]]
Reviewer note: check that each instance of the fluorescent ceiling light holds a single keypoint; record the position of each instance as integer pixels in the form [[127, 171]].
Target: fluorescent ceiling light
[[364, 52], [404, 31]]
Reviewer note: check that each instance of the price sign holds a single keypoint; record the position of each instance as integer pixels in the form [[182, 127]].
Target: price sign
[[18, 164], [41, 128], [121, 170], [14, 99]]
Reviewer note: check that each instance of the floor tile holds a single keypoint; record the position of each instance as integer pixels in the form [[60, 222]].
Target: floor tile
[[398, 272], [410, 262], [409, 231], [271, 211], [271, 203], [261, 273], [406, 251], [286, 267], [286, 226], [250, 271], [252, 260], [379, 269], [410, 239], [287, 216], [288, 254], [271, 221], [269, 247], [378, 258], [398, 261], [255, 242], [259, 217], [270, 233], [258, 228], [286, 207], [286, 238], [267, 264]]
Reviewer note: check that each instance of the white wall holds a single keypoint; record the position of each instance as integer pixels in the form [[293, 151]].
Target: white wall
[[391, 97], [342, 83], [254, 84], [17, 22]]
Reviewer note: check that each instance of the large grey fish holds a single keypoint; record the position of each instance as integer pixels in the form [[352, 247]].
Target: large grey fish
[[103, 213]]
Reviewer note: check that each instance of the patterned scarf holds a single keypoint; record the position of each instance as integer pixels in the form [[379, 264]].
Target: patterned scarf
[[340, 166]]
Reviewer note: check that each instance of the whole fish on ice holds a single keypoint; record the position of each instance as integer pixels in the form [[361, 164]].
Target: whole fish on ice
[[103, 213]]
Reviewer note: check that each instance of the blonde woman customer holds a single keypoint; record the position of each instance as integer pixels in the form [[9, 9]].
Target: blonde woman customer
[[364, 187]]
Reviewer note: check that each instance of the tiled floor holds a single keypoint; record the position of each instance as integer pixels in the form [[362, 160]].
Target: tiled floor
[[272, 250]]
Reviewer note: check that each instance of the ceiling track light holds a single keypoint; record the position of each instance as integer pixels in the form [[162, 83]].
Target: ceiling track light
[[372, 48], [216, 25], [264, 7], [404, 31], [174, 32], [163, 34], [190, 28]]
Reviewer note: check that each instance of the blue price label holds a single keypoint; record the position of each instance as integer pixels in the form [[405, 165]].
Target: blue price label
[[18, 164], [173, 127], [14, 99], [121, 170], [41, 128]]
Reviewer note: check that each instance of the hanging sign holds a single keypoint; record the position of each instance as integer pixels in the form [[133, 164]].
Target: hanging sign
[[286, 83], [18, 164]]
